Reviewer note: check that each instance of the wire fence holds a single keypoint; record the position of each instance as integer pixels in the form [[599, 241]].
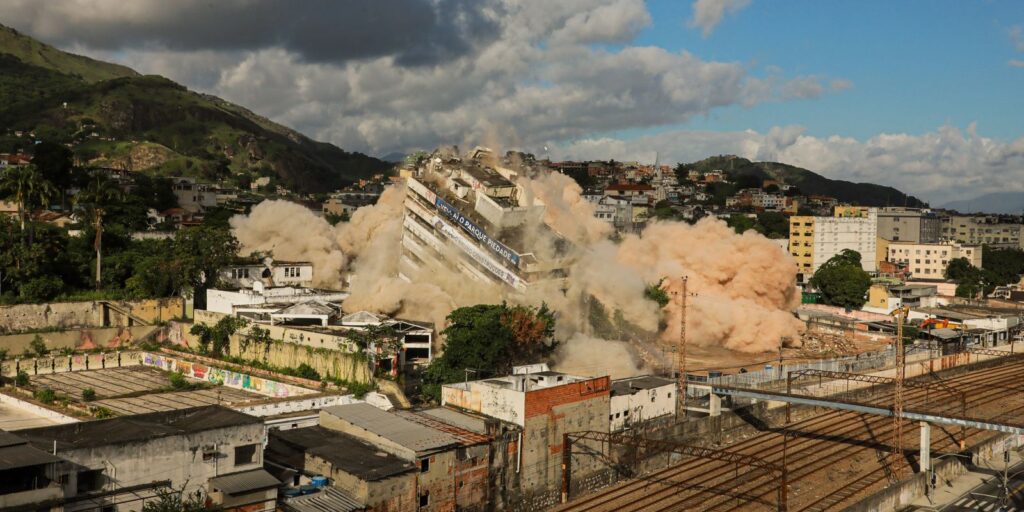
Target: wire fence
[[773, 376]]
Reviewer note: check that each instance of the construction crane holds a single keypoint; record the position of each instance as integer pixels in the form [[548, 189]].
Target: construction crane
[[896, 464]]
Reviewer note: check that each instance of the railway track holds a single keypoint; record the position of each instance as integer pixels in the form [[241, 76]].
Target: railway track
[[814, 446]]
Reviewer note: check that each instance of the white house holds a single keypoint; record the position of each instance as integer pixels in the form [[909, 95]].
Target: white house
[[635, 400]]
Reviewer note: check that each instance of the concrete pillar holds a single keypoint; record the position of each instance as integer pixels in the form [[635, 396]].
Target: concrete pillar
[[715, 405], [926, 447]]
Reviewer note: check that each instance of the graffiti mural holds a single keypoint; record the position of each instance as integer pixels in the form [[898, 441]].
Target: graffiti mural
[[220, 376]]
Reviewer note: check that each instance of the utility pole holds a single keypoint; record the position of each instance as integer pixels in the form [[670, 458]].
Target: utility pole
[[897, 409], [681, 352]]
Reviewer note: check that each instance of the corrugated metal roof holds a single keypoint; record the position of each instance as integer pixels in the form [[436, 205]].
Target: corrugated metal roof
[[469, 422], [246, 481], [467, 437], [141, 427], [392, 427], [344, 452], [23, 455], [328, 500]]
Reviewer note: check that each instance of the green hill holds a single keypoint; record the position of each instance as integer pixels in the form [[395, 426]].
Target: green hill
[[809, 182], [42, 55], [112, 116]]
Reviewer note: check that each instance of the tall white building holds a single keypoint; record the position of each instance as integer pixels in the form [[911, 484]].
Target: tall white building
[[815, 240], [466, 212]]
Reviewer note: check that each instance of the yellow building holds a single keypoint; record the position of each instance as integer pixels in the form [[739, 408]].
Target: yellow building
[[801, 242]]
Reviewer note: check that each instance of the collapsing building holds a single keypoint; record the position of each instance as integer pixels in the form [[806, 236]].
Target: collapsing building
[[472, 206]]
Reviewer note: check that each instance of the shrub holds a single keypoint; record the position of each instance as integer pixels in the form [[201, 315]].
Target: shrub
[[88, 394], [38, 346], [45, 395], [41, 289], [307, 372], [21, 379], [3, 354], [178, 381], [102, 412]]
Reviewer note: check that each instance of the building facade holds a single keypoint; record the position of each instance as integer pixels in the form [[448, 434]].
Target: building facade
[[914, 225], [983, 229], [929, 261], [637, 400], [815, 240], [545, 405]]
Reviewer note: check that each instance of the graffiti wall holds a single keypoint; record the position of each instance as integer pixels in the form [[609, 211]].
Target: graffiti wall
[[223, 377]]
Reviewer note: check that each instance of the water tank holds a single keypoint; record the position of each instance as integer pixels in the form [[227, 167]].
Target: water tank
[[319, 481]]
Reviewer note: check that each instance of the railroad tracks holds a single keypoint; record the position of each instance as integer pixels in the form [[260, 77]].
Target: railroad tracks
[[829, 459]]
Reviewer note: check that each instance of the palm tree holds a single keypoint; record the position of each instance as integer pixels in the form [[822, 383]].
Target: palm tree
[[27, 187], [98, 194]]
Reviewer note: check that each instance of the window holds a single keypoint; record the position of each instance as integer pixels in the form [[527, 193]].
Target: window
[[245, 454], [425, 499], [424, 464]]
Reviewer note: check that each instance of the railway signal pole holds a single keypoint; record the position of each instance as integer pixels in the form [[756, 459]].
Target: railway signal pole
[[897, 408]]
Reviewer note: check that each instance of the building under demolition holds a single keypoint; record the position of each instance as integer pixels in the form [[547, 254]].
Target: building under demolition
[[467, 211]]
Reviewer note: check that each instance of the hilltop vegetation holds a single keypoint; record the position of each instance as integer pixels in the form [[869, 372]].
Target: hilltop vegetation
[[810, 183], [114, 117]]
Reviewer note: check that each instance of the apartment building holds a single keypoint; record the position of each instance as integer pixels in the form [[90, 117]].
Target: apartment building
[[815, 240], [929, 261], [915, 225], [983, 229], [466, 214]]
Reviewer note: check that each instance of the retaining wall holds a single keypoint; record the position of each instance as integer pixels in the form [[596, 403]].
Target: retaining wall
[[79, 339], [68, 315]]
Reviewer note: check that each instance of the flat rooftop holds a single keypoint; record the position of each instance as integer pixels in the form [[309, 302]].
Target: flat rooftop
[[142, 427], [631, 385], [393, 427], [525, 382], [16, 418], [351, 455], [131, 390]]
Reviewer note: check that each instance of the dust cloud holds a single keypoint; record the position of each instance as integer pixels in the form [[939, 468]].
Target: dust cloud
[[740, 287]]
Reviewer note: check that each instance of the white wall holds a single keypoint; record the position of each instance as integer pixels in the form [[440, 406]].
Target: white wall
[[642, 405]]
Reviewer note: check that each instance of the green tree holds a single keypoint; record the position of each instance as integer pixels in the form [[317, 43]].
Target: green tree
[[177, 500], [99, 194], [200, 253], [217, 338], [656, 293], [88, 394], [740, 223], [56, 163], [27, 187], [841, 281], [490, 339]]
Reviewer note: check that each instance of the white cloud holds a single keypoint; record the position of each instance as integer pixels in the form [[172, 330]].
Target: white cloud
[[707, 14], [542, 76], [840, 85], [938, 166], [1017, 63], [1017, 37]]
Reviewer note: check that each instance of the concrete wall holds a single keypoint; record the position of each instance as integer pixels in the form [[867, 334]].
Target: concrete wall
[[643, 405], [177, 458], [25, 317], [393, 494], [551, 412], [328, 363], [231, 379], [79, 339], [503, 403], [61, 364]]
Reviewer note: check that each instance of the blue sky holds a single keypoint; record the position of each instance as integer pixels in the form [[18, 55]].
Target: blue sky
[[914, 65]]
